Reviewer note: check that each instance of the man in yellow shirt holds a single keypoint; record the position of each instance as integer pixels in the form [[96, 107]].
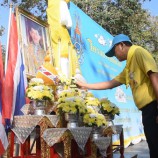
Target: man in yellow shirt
[[141, 74]]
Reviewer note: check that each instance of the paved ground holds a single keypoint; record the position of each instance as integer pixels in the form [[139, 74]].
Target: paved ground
[[140, 149]]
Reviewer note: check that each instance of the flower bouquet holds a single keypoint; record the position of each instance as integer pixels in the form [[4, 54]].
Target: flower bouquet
[[107, 107], [68, 93], [38, 91], [94, 119], [72, 108], [63, 79], [93, 102], [66, 82], [73, 105], [91, 110]]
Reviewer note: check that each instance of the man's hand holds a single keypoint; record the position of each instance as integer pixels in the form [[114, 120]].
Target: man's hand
[[57, 80], [80, 84]]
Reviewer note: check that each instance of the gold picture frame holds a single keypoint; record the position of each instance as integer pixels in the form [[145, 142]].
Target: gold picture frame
[[34, 37]]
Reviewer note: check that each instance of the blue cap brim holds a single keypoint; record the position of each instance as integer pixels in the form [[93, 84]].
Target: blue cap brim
[[117, 39], [110, 52]]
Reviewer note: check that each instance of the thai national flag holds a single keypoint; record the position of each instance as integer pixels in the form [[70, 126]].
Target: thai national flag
[[20, 84], [15, 79], [3, 137]]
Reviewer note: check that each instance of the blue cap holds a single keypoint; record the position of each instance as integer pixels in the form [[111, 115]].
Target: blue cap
[[117, 39]]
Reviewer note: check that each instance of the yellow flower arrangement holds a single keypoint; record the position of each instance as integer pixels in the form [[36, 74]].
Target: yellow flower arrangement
[[91, 109], [36, 82], [94, 119], [82, 93], [108, 107], [73, 105], [89, 94], [38, 91], [92, 101], [68, 93], [63, 79]]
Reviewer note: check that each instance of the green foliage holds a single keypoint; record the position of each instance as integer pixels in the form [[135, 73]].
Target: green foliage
[[155, 56], [1, 30], [153, 41], [36, 7]]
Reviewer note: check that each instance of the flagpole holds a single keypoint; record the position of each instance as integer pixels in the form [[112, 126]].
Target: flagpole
[[6, 54]]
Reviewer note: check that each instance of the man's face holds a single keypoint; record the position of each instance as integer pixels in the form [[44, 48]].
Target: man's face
[[35, 36], [120, 52]]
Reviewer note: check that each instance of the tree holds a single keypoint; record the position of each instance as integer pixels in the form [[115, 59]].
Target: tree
[[154, 31], [2, 29], [36, 7]]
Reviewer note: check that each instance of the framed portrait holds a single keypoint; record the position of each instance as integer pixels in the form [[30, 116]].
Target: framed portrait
[[35, 40]]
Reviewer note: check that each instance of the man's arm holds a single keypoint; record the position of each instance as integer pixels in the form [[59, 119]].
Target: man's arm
[[154, 80], [100, 85]]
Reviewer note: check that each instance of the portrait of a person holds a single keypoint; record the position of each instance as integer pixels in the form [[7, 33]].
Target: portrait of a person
[[34, 52]]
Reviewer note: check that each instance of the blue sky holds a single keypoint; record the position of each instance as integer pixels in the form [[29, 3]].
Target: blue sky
[[151, 6], [4, 21]]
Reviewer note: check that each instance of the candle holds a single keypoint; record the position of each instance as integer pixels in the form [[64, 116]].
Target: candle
[[59, 54], [51, 55], [69, 59]]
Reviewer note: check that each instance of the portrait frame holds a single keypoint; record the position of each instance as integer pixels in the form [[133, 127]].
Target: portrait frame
[[35, 40]]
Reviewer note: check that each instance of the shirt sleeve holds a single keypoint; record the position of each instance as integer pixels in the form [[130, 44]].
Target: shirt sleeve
[[145, 61], [121, 77]]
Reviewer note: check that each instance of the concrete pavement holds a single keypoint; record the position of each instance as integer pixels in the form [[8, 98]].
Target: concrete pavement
[[140, 149]]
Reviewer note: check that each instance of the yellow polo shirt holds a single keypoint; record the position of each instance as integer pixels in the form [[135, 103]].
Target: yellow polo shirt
[[141, 61]]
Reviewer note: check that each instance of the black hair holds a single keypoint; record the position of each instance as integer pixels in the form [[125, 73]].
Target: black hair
[[127, 43], [34, 25]]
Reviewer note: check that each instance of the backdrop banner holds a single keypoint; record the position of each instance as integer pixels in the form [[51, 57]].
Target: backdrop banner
[[91, 42]]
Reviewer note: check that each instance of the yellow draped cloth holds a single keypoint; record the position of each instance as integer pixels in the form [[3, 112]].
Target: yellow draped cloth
[[60, 37]]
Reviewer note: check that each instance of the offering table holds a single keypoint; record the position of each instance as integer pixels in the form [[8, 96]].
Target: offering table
[[23, 126]]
